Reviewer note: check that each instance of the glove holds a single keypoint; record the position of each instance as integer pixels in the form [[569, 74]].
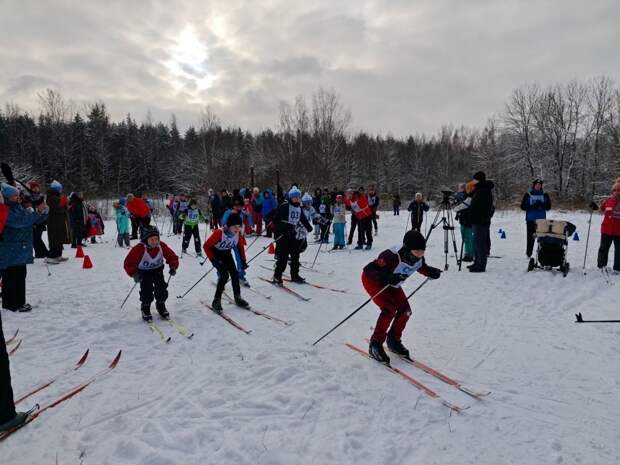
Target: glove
[[173, 271], [244, 265], [593, 206], [434, 273], [136, 277], [396, 278]]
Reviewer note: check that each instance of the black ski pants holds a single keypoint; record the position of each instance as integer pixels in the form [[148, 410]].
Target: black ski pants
[[286, 247], [7, 405], [226, 268], [481, 245], [153, 285], [354, 222], [603, 251], [531, 231], [364, 232], [14, 287], [40, 250], [187, 235]]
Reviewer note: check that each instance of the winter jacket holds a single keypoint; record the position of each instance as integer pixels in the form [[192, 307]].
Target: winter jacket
[[77, 212], [16, 239], [535, 204], [222, 241], [286, 220], [139, 208], [396, 201], [58, 231], [417, 210], [391, 262], [122, 219], [216, 205], [481, 209], [462, 215], [359, 206], [373, 201], [4, 214], [95, 224], [133, 258], [269, 203], [192, 217], [611, 220], [339, 213], [257, 203]]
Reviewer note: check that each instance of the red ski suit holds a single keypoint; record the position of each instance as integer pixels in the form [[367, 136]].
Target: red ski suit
[[395, 309]]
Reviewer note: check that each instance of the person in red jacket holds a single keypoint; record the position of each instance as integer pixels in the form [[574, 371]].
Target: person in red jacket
[[357, 202], [218, 250], [145, 264], [382, 279], [610, 229], [140, 214]]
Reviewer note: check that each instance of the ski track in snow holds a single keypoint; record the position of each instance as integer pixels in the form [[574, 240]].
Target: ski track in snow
[[270, 398]]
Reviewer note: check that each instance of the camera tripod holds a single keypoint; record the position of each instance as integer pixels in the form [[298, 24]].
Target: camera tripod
[[447, 220]]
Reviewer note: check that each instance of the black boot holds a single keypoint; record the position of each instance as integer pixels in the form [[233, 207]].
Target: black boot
[[277, 279], [376, 351], [161, 309], [297, 279], [240, 302], [217, 305], [396, 346], [146, 312]]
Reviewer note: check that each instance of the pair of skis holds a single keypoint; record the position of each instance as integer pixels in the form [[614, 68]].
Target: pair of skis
[[422, 387], [226, 318], [38, 410], [318, 286], [288, 290], [182, 330], [258, 312]]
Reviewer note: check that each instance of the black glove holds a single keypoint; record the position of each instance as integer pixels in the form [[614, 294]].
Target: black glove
[[593, 206], [136, 277], [396, 278], [433, 273], [244, 265], [173, 271]]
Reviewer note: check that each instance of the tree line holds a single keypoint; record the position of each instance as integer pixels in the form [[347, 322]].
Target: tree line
[[568, 134]]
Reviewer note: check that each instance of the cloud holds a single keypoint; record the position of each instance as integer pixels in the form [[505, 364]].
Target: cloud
[[401, 66]]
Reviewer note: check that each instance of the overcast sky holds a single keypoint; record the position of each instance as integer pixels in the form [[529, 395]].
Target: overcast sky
[[401, 66]]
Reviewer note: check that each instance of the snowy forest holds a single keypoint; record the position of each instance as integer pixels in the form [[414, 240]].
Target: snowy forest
[[568, 134]]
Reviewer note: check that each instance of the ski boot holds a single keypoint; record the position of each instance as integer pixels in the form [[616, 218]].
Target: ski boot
[[240, 302], [397, 346], [358, 247], [146, 312], [199, 254], [277, 280], [376, 351], [468, 258], [244, 282], [295, 278], [216, 305], [368, 247], [161, 309], [17, 422]]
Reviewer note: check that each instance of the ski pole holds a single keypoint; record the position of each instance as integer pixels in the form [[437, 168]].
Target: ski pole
[[350, 315], [196, 283], [320, 245], [255, 239], [124, 301], [585, 255], [418, 288]]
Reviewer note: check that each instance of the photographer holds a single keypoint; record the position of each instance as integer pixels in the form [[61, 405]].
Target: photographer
[[417, 208], [535, 204], [480, 213], [461, 208]]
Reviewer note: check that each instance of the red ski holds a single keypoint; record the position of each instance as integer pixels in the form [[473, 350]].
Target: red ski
[[227, 318], [258, 312], [66, 396], [12, 338], [42, 386], [428, 391]]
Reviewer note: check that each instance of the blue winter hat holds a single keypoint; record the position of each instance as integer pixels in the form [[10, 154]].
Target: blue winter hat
[[122, 201], [56, 186], [294, 192], [8, 191], [306, 199]]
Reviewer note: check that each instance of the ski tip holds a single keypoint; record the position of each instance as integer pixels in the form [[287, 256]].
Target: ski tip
[[579, 318], [82, 360], [116, 359]]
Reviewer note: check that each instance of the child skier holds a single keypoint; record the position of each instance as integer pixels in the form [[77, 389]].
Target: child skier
[[95, 224], [287, 217], [391, 269], [122, 223], [145, 264], [339, 220], [217, 248], [313, 218], [237, 208], [191, 220]]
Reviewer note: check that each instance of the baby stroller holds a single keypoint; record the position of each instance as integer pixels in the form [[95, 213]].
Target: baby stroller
[[552, 237]]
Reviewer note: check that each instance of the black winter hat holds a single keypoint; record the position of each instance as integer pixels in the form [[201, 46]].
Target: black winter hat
[[149, 231], [234, 220], [480, 176], [414, 240], [537, 181]]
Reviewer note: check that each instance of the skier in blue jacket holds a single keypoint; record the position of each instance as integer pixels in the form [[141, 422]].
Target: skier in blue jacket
[[536, 203]]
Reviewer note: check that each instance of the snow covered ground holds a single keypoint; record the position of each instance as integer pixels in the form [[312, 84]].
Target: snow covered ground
[[269, 398]]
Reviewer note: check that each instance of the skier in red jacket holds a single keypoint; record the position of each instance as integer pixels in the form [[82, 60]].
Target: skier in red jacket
[[145, 264], [391, 269], [357, 202], [218, 249], [610, 229]]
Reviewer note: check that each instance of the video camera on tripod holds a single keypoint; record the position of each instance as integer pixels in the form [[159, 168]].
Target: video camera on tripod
[[447, 222]]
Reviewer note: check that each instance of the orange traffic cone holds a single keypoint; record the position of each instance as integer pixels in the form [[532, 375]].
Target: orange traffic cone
[[271, 250], [87, 262], [79, 253]]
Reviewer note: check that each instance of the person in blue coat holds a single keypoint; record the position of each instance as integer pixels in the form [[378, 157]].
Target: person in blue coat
[[270, 204], [536, 203], [16, 249]]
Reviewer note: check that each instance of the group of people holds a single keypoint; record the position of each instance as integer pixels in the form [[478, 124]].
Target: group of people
[[288, 219]]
